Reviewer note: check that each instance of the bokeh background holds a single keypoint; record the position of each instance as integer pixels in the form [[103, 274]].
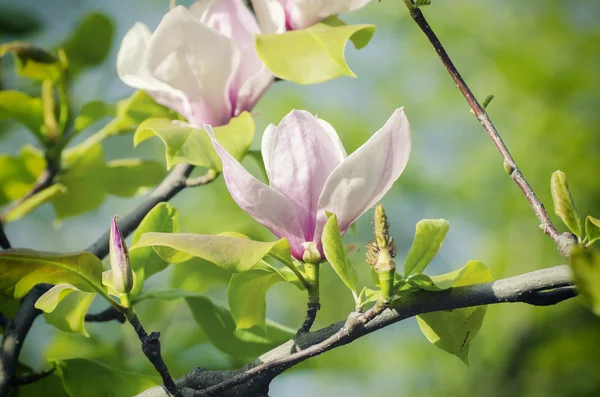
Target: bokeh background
[[541, 60]]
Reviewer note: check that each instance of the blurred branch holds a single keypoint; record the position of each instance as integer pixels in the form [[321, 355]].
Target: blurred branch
[[109, 314], [540, 288], [32, 378], [564, 241], [4, 243]]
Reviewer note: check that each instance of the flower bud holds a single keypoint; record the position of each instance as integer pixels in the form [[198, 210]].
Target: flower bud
[[119, 260], [381, 252]]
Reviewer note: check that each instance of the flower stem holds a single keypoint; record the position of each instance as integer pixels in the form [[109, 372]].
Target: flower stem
[[311, 271]]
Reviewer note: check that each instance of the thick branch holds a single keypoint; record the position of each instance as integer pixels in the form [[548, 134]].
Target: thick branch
[[541, 287], [109, 314], [563, 241]]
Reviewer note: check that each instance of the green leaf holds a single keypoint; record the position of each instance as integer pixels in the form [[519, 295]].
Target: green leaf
[[32, 62], [586, 270], [137, 108], [564, 207], [18, 20], [233, 254], [50, 386], [89, 378], [473, 272], [592, 229], [144, 261], [187, 144], [34, 201], [92, 112], [247, 294], [65, 307], [88, 179], [429, 236], [336, 254], [22, 269], [360, 39], [127, 177], [24, 109], [453, 330], [89, 44], [198, 275], [219, 326], [312, 55]]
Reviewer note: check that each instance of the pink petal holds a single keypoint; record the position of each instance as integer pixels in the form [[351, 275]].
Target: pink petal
[[270, 15], [299, 156], [197, 61], [269, 207], [363, 178], [305, 13]]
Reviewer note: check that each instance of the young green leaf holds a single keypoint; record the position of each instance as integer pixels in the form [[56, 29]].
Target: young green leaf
[[234, 254], [34, 201], [145, 261], [19, 173], [187, 144], [429, 236], [92, 112], [453, 330], [335, 252], [24, 109], [473, 272], [136, 109], [90, 42], [312, 55], [564, 207], [32, 62], [586, 270], [198, 275], [22, 269], [82, 377], [65, 307], [219, 326], [592, 229], [247, 294], [128, 177]]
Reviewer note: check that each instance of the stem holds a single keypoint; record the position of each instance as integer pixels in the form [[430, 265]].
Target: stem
[[203, 179], [563, 242], [311, 271], [151, 349]]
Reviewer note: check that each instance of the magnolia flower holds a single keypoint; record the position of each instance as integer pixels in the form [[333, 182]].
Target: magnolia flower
[[300, 14], [311, 174], [119, 260], [199, 62]]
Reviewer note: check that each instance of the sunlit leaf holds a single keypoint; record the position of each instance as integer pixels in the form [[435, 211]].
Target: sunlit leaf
[[65, 307], [24, 109], [187, 144], [337, 255], [429, 236], [233, 254], [198, 275], [453, 330], [219, 326], [247, 294], [137, 108], [586, 270], [22, 269], [311, 55], [473, 272], [564, 206], [592, 229], [144, 261], [89, 378], [34, 201], [19, 173]]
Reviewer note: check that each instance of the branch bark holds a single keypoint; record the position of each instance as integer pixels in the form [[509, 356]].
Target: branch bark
[[540, 288], [564, 241]]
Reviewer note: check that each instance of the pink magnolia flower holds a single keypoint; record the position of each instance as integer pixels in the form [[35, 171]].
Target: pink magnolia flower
[[300, 14], [200, 62], [311, 174]]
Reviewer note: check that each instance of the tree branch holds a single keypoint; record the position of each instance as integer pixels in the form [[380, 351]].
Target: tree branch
[[32, 378], [109, 314], [4, 243], [540, 288], [564, 241]]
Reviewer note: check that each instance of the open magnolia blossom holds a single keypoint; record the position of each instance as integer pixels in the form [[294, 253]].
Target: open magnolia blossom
[[200, 62], [300, 14], [310, 174]]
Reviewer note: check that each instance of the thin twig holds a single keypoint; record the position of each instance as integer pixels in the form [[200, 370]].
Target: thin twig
[[563, 241], [202, 180], [514, 289], [32, 378], [109, 314], [151, 349]]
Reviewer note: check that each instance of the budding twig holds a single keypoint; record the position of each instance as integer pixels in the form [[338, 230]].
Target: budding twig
[[563, 241]]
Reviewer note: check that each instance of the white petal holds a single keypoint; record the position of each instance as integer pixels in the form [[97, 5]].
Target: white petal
[[299, 156], [269, 207], [361, 180], [305, 13], [270, 15], [196, 60], [131, 66]]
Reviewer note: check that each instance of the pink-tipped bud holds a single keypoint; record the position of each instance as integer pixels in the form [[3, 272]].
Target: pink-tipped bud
[[119, 260]]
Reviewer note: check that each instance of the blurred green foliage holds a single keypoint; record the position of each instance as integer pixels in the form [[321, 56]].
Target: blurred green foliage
[[539, 59]]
